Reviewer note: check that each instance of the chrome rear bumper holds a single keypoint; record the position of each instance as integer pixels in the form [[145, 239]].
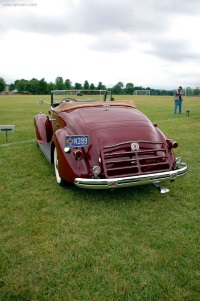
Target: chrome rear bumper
[[131, 181]]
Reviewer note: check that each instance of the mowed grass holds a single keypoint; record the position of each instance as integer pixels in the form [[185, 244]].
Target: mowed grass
[[74, 244]]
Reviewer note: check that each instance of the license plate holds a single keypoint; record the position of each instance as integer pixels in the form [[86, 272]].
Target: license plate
[[77, 141]]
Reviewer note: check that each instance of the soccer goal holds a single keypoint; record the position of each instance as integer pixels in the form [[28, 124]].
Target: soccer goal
[[141, 92], [188, 91]]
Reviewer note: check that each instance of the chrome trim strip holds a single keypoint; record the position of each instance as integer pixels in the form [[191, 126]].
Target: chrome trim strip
[[130, 181], [129, 142]]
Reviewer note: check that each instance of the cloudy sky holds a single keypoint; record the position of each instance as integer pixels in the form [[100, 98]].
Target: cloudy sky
[[150, 43]]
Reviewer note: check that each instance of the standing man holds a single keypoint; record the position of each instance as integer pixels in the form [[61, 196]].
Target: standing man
[[178, 100]]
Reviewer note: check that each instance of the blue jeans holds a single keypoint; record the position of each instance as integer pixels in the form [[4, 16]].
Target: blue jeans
[[178, 104]]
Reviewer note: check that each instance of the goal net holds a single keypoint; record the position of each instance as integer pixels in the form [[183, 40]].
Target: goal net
[[189, 92], [141, 92]]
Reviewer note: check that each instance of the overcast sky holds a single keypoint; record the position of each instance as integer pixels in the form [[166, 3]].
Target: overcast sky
[[150, 43]]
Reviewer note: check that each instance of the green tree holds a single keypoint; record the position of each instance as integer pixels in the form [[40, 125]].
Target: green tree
[[129, 88], [12, 87], [77, 86], [86, 85], [139, 88], [50, 86], [101, 86], [196, 91], [92, 86], [2, 84], [59, 83], [21, 85], [33, 86], [117, 89], [68, 84], [42, 86]]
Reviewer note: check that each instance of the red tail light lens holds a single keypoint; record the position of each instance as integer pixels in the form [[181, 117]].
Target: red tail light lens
[[172, 144], [78, 154]]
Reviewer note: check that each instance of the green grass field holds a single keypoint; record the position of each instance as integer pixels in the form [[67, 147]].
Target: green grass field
[[72, 244]]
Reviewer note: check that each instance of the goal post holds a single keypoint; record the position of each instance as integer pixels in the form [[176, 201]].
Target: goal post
[[142, 92], [188, 91]]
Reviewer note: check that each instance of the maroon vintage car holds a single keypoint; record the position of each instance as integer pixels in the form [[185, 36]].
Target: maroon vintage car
[[97, 143]]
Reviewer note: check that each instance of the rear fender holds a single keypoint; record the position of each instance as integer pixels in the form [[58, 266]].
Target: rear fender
[[43, 128], [69, 168], [163, 138]]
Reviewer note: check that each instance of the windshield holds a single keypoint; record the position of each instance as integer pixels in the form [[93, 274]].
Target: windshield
[[80, 95]]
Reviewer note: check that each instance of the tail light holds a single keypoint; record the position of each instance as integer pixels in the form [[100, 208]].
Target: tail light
[[78, 154], [172, 144]]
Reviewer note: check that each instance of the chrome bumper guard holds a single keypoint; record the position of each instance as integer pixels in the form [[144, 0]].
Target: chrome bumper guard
[[131, 181]]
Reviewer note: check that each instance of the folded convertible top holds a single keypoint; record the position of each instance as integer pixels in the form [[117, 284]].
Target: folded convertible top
[[64, 106]]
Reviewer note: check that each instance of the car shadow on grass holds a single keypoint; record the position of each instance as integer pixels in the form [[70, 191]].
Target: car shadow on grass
[[144, 193]]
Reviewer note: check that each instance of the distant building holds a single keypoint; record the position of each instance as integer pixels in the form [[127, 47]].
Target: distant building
[[15, 91], [6, 91]]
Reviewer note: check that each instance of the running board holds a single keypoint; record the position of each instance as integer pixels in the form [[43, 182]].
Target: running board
[[46, 149]]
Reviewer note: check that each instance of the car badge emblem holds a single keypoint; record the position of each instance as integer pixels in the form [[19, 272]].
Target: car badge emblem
[[135, 146], [69, 140]]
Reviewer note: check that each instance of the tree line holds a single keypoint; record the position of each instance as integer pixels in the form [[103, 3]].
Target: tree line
[[41, 87]]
